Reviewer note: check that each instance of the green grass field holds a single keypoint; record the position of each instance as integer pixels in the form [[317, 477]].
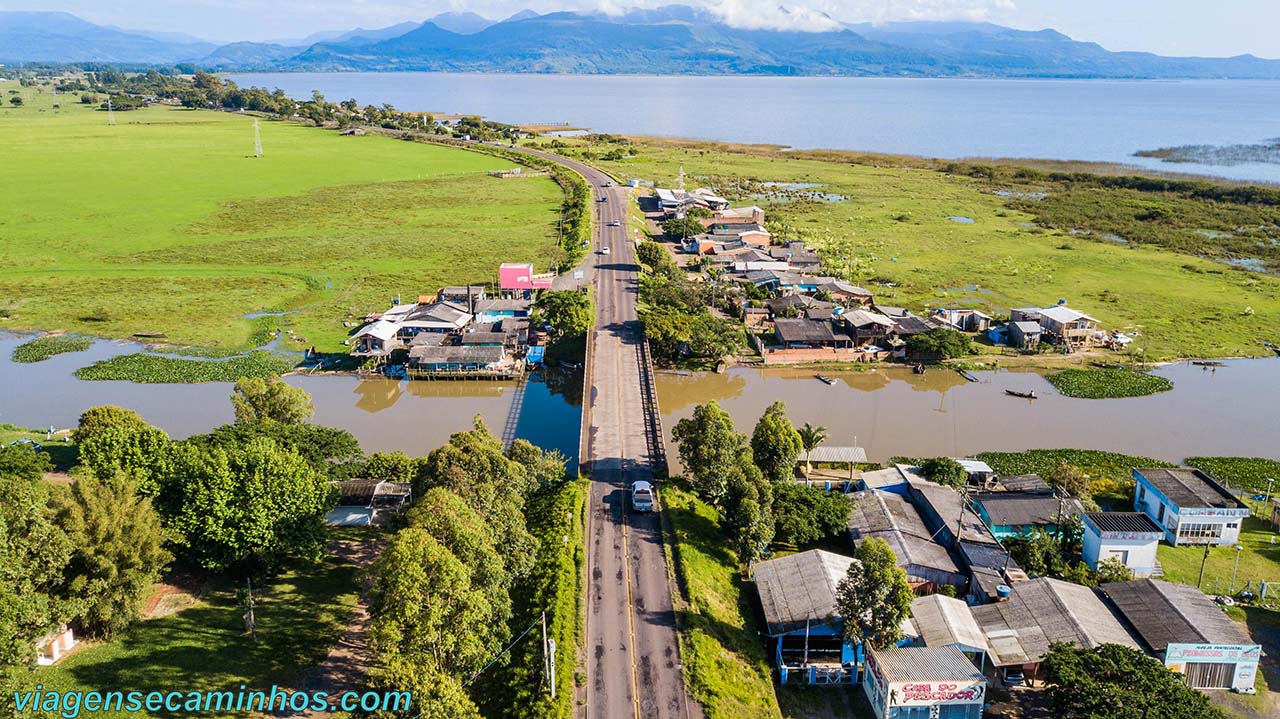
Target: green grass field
[[204, 647], [166, 223], [895, 227]]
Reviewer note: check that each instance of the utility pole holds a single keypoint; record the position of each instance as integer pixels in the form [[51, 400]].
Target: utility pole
[[1235, 569], [257, 139], [250, 622], [1203, 561], [111, 113], [548, 657]]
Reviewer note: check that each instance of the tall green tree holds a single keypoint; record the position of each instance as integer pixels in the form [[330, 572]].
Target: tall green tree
[[435, 694], [874, 596], [34, 551], [424, 609], [543, 467], [747, 508], [1115, 682], [118, 551], [940, 343], [709, 449], [97, 419], [567, 311], [145, 455], [263, 399], [460, 529], [248, 507], [811, 438], [776, 444], [330, 450], [473, 466], [803, 514]]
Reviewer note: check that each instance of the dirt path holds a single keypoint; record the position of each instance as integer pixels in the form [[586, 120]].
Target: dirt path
[[344, 668]]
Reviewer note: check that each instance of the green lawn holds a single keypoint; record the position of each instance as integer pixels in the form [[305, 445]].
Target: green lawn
[[61, 451], [300, 614], [723, 651], [895, 227], [165, 223], [1259, 561]]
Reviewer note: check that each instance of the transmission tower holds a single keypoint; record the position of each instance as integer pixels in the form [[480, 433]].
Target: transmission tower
[[257, 139]]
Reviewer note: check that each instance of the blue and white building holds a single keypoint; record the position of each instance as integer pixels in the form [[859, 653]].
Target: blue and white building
[[1189, 505]]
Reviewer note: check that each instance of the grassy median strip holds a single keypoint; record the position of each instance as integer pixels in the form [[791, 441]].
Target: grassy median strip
[[42, 348], [158, 369], [1107, 383], [723, 652]]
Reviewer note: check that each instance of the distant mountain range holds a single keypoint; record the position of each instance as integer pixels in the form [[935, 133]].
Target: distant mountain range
[[673, 40]]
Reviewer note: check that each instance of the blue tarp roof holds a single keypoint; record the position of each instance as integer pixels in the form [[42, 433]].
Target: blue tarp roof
[[536, 353]]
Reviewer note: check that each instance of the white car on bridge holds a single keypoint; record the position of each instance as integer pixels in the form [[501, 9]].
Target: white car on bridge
[[641, 496]]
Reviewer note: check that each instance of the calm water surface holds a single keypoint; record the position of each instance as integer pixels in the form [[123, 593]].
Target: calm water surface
[[1227, 411], [384, 414], [1098, 120], [1230, 410]]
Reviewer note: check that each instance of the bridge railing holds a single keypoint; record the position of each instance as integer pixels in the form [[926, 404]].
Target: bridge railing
[[652, 415]]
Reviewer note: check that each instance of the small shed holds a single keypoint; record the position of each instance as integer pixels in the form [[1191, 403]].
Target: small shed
[[919, 682], [55, 645], [1130, 537], [1024, 335], [366, 502], [798, 595]]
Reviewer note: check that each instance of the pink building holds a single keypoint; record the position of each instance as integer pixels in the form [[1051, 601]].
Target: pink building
[[518, 277]]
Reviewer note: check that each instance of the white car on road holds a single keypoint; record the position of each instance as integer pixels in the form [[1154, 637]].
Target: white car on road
[[642, 496], [615, 223], [604, 251]]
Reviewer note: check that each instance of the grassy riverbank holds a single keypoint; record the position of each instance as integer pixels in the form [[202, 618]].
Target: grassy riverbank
[[721, 647], [896, 232], [176, 229]]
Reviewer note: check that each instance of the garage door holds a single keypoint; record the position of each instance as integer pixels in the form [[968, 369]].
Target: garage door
[[1210, 676]]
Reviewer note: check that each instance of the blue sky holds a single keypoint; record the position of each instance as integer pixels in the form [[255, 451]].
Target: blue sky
[[1172, 27]]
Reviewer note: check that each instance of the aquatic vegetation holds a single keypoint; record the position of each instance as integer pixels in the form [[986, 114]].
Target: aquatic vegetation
[[42, 348], [1107, 383], [150, 368]]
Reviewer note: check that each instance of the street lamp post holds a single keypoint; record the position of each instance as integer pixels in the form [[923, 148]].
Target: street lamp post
[[1235, 569], [1270, 481]]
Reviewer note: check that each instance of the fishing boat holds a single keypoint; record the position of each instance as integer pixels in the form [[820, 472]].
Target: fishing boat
[[1024, 395], [824, 378], [1205, 363], [1271, 346], [966, 374]]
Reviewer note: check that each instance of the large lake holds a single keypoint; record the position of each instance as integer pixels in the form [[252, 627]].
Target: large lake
[[1097, 120]]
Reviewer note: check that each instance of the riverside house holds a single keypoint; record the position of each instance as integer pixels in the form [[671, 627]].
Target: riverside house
[[1189, 505], [798, 595]]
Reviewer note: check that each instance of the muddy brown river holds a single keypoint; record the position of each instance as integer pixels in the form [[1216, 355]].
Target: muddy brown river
[[1230, 410]]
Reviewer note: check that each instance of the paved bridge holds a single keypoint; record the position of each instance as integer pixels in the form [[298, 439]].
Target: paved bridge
[[633, 657]]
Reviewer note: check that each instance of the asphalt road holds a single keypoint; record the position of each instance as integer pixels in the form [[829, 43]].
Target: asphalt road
[[633, 660]]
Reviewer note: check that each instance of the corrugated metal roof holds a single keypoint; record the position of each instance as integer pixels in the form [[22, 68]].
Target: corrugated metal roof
[[1046, 610], [893, 519], [1163, 613], [1022, 509], [800, 588], [833, 454], [925, 664], [1123, 522], [943, 620], [1189, 488]]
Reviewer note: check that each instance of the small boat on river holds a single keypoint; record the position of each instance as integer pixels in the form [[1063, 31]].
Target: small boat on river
[[1024, 395], [967, 375], [825, 379], [1205, 363]]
